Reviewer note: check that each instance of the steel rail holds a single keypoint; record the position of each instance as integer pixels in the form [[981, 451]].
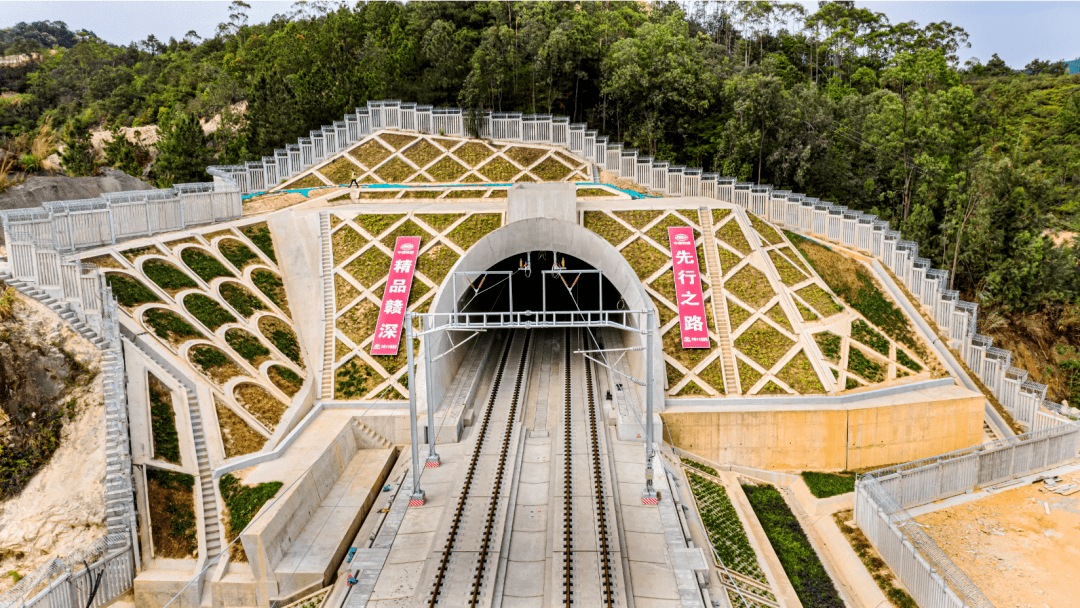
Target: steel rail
[[440, 575]]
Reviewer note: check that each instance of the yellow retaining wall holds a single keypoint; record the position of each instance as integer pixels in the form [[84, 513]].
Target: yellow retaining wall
[[873, 432]]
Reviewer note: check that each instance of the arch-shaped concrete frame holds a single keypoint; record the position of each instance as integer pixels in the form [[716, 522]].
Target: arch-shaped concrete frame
[[545, 234]]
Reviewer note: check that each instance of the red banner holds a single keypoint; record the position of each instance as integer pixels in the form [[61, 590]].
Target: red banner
[[692, 320], [395, 297]]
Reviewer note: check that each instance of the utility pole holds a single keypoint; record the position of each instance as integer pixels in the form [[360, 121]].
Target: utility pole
[[416, 498], [432, 458], [648, 496]]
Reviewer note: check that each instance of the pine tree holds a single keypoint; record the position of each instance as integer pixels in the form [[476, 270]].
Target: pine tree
[[122, 154], [183, 154], [78, 158]]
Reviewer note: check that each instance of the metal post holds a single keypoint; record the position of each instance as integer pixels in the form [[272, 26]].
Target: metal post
[[649, 495], [416, 499], [433, 458]]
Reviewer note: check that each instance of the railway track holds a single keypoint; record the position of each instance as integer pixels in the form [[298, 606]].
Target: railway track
[[604, 535], [490, 520]]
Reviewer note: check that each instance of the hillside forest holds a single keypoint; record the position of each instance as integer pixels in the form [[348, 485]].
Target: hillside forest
[[979, 163]]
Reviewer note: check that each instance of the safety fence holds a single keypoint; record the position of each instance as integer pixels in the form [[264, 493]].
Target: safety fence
[[882, 497], [121, 216], [88, 578]]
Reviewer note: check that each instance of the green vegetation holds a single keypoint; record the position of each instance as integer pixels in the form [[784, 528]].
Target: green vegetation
[[272, 287], [638, 218], [697, 465], [748, 376], [807, 314], [370, 154], [789, 274], [354, 379], [800, 375], [876, 566], [439, 221], [551, 170], [771, 388], [129, 292], [659, 231], [243, 301], [524, 155], [582, 192], [446, 170], [829, 343], [207, 311], [406, 228], [864, 333], [474, 228], [691, 389], [750, 286], [238, 254], [422, 153], [824, 485], [163, 422], [644, 258], [282, 337], [904, 359], [737, 315], [776, 314], [767, 232], [820, 300], [394, 171], [472, 152], [204, 264], [341, 171], [170, 326], [724, 527], [851, 383], [260, 235], [728, 260], [865, 366], [763, 344], [243, 502], [797, 556], [167, 276], [246, 345], [733, 235], [208, 357], [435, 263], [172, 513], [377, 223], [857, 286]]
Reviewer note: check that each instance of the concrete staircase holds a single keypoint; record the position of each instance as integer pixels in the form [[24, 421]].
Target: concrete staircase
[[211, 516], [326, 269], [60, 308], [373, 437], [719, 303], [119, 496]]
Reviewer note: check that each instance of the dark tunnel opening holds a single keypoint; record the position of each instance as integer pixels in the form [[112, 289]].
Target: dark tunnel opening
[[568, 290]]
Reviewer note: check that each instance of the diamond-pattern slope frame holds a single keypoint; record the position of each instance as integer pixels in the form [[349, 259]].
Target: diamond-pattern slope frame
[[554, 161], [423, 290], [689, 218]]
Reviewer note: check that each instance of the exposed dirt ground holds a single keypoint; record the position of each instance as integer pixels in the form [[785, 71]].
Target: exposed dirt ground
[[1011, 549], [1040, 342]]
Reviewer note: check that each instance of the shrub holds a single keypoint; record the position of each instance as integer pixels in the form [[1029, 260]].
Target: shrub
[[208, 358], [260, 235], [824, 485], [904, 359], [129, 292], [204, 264], [207, 311], [865, 366], [163, 422], [243, 301], [701, 467], [167, 276], [866, 334], [243, 502], [168, 325], [829, 344], [246, 345], [282, 337], [355, 379], [272, 287], [236, 252], [797, 556]]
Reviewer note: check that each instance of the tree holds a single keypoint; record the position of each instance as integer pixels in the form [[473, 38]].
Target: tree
[[78, 157], [123, 154], [996, 66], [183, 154]]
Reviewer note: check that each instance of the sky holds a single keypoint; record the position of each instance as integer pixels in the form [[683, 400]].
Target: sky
[[1017, 31]]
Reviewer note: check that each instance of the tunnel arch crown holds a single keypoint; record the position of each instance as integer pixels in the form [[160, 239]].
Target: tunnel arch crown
[[546, 234]]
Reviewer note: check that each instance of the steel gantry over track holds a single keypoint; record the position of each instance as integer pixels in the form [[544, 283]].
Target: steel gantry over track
[[472, 323]]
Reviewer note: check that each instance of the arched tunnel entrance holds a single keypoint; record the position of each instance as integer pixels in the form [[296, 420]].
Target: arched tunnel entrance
[[540, 243]]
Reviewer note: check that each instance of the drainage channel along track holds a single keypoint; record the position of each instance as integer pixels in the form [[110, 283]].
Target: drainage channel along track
[[481, 502], [589, 561]]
